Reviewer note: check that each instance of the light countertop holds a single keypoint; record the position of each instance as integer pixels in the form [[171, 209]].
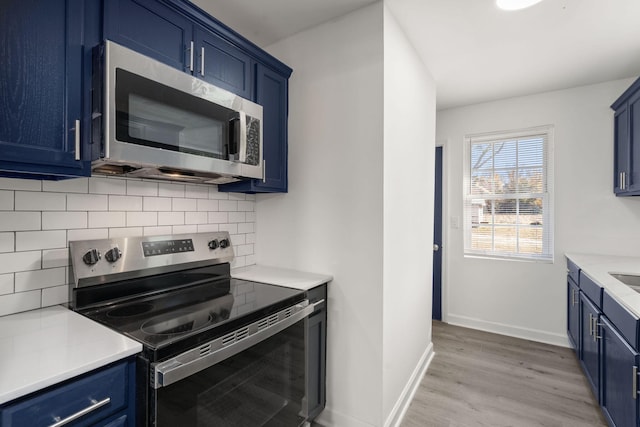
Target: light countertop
[[43, 347], [598, 267], [280, 276]]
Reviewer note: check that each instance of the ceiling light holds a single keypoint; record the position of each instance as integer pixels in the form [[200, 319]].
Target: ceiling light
[[515, 4]]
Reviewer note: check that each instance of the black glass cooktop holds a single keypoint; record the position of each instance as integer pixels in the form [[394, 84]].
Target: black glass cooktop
[[173, 321]]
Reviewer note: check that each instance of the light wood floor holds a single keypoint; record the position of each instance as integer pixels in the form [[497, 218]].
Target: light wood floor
[[482, 379]]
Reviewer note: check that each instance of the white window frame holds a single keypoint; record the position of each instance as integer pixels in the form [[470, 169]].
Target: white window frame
[[547, 255]]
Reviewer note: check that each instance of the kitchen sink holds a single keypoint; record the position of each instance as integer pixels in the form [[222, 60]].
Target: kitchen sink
[[630, 280]]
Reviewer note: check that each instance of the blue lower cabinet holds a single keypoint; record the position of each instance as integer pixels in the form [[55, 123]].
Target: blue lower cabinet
[[619, 378], [105, 397], [590, 349], [573, 314], [41, 79]]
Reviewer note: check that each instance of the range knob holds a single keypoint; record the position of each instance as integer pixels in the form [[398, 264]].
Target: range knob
[[213, 244], [224, 243], [113, 254], [91, 257]]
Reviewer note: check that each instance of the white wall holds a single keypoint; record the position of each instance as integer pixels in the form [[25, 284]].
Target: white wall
[[39, 218], [331, 220], [529, 299], [409, 153]]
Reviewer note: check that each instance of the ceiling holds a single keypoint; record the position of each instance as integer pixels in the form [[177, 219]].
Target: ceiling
[[476, 52]]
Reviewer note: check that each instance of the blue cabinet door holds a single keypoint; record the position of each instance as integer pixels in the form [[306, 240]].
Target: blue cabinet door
[[621, 148], [633, 108], [272, 93], [222, 64], [573, 314], [153, 29], [42, 50], [619, 387], [590, 348]]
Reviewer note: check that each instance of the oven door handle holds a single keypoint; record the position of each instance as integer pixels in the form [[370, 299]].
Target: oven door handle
[[204, 356]]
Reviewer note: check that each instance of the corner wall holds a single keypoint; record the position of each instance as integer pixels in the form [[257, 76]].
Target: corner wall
[[332, 218], [527, 299]]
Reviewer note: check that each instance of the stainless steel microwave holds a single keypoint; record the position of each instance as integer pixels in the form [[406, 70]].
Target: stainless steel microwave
[[153, 121]]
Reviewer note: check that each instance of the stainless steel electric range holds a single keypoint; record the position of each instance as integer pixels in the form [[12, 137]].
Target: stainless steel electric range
[[217, 351]]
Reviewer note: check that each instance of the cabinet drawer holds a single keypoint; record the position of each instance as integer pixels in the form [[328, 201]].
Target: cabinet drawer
[[105, 391], [591, 289], [625, 321], [573, 271]]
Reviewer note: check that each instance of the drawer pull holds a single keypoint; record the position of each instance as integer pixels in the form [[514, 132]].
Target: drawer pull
[[94, 405]]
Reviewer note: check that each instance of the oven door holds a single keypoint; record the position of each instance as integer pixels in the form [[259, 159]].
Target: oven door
[[261, 384]]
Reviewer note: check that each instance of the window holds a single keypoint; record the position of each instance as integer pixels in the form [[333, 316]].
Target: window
[[508, 195]]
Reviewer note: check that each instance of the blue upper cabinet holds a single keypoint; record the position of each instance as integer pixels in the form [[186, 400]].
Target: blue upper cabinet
[[627, 142], [151, 28], [42, 110], [272, 94]]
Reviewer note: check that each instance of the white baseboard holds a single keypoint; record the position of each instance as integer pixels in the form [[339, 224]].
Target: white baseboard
[[509, 330], [400, 408], [330, 418]]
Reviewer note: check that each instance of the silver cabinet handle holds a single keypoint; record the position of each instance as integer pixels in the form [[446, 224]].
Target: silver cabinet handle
[[635, 382], [191, 56], [590, 325], [77, 141], [436, 248], [94, 405], [264, 170], [202, 61]]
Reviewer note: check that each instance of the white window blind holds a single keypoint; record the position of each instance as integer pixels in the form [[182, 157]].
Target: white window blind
[[508, 195]]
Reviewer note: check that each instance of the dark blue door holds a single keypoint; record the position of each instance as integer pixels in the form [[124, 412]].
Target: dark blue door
[[41, 88], [573, 314], [590, 348], [437, 240], [619, 388]]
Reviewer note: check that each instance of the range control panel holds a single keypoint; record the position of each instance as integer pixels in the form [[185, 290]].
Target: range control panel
[[165, 247], [93, 261]]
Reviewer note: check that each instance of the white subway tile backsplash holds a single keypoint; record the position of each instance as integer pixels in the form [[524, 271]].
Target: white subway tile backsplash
[[76, 185], [207, 228], [125, 203], [6, 284], [250, 197], [237, 216], [87, 234], [30, 201], [14, 221], [218, 217], [197, 192], [183, 229], [246, 227], [99, 185], [6, 200], [142, 219], [86, 202], [250, 259], [207, 205], [21, 301], [20, 261], [125, 232], [63, 220], [170, 218], [228, 206], [246, 206], [195, 218], [35, 240], [55, 258], [55, 295], [38, 279], [157, 231], [184, 205], [231, 228], [20, 184], [142, 188], [238, 261], [170, 190], [7, 242], [107, 219], [156, 204], [38, 219]]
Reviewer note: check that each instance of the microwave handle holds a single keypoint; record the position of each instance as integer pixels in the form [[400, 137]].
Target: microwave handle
[[238, 147]]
